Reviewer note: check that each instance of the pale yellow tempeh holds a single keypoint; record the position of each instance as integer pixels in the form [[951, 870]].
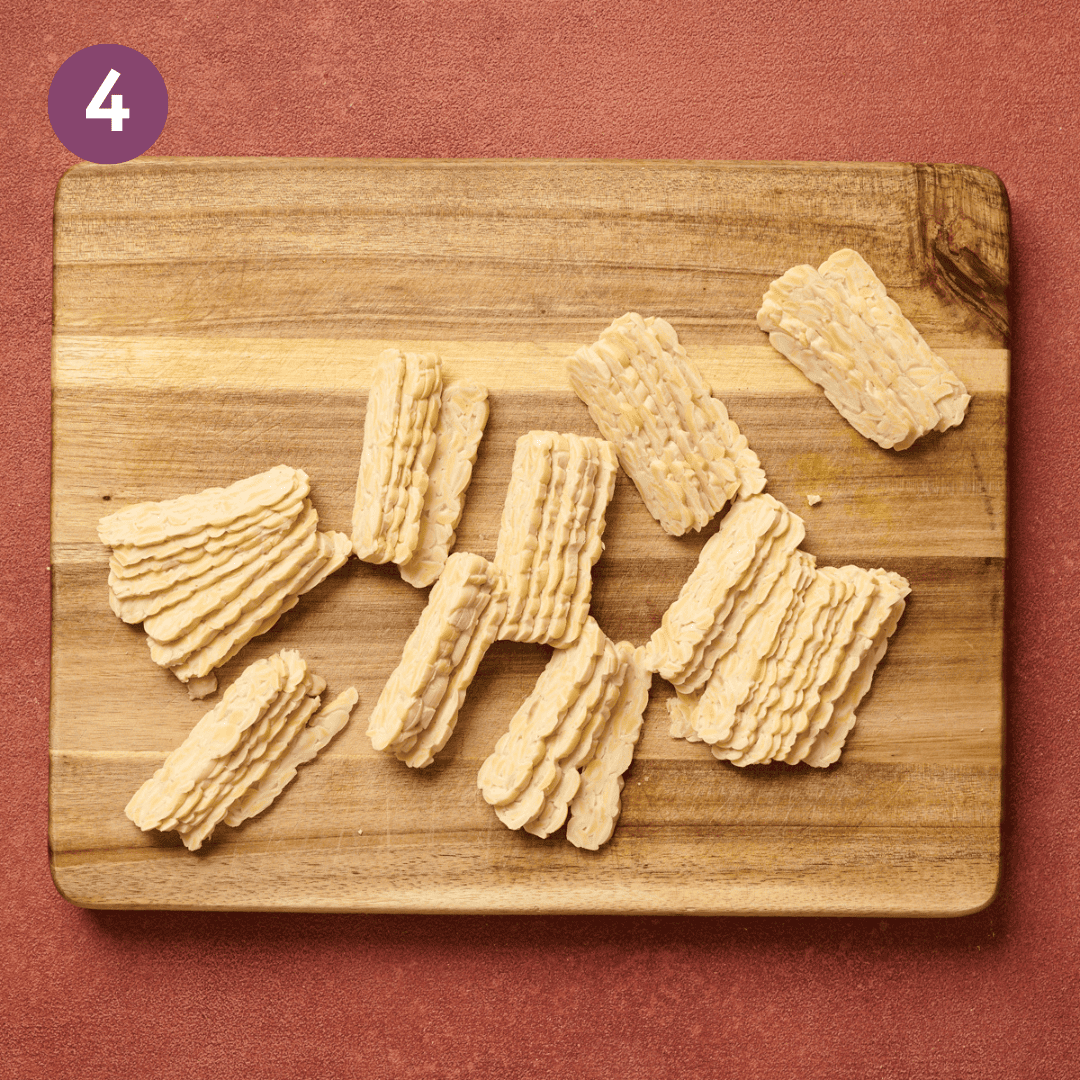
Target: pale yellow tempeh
[[425, 691], [334, 549], [277, 579], [198, 600], [596, 806], [265, 742], [551, 533], [509, 768], [156, 522], [205, 573], [802, 662], [735, 569], [739, 671], [849, 687], [399, 441], [435, 736], [585, 545], [838, 325], [312, 738], [462, 418], [162, 581], [535, 481], [571, 741], [542, 807], [243, 752], [788, 666], [675, 440], [132, 561]]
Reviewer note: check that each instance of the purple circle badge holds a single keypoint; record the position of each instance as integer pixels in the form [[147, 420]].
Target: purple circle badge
[[108, 103]]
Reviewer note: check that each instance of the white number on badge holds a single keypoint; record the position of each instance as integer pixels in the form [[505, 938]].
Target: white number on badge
[[116, 111]]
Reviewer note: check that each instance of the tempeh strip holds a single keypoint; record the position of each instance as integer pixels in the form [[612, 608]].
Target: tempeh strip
[[219, 587], [758, 532], [462, 418], [312, 738], [508, 769], [334, 549], [243, 752], [156, 522], [874, 630], [558, 776], [551, 534], [426, 689], [597, 804], [399, 441]]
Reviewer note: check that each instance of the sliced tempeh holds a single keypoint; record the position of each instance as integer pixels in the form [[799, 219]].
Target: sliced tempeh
[[399, 441], [735, 570], [570, 742], [738, 672], [169, 615], [130, 561], [333, 550], [674, 439], [838, 325], [243, 752], [150, 523], [597, 804], [841, 696], [787, 669], [462, 418], [315, 734], [205, 573], [551, 533], [542, 807], [509, 768], [419, 705], [151, 577]]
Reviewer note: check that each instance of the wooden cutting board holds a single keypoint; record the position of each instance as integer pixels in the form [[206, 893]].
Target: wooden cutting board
[[216, 317]]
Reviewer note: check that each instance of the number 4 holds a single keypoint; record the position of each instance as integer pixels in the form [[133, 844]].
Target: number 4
[[116, 111]]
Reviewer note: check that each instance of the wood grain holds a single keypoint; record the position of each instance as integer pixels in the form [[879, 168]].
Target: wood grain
[[215, 317]]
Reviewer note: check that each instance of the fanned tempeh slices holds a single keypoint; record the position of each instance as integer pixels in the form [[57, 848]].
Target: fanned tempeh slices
[[205, 573], [841, 329], [770, 654], [241, 755], [418, 708], [420, 445], [570, 742], [552, 534], [675, 440]]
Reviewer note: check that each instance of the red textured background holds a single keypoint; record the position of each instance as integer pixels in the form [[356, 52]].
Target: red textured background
[[997, 84]]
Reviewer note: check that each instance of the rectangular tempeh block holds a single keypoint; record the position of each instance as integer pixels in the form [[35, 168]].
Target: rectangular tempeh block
[[841, 329], [675, 440], [551, 534]]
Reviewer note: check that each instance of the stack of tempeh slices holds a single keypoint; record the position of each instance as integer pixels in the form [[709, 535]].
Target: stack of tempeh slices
[[420, 445], [685, 455], [770, 654], [240, 755], [206, 573], [841, 329], [570, 742]]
